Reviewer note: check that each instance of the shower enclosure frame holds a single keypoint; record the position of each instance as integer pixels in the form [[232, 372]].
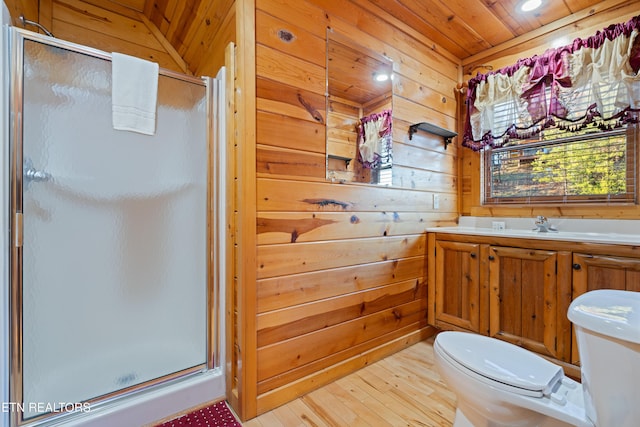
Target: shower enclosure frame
[[215, 245]]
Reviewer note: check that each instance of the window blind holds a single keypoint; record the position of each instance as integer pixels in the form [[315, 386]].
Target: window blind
[[553, 168]]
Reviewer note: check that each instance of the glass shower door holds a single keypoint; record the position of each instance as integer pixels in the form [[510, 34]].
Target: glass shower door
[[112, 251]]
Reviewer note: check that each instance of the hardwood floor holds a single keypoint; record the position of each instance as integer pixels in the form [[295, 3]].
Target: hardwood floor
[[403, 389]]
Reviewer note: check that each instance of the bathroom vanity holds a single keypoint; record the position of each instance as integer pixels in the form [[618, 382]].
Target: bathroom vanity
[[516, 284]]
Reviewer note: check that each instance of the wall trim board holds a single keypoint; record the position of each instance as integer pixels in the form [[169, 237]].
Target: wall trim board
[[243, 397]]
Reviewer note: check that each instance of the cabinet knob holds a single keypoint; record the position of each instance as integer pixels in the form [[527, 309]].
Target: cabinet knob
[[472, 254], [491, 257], [576, 266]]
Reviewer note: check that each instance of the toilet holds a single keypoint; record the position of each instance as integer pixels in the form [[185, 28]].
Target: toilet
[[498, 384]]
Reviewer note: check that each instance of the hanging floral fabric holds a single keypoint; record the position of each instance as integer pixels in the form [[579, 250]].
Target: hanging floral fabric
[[375, 139], [593, 81]]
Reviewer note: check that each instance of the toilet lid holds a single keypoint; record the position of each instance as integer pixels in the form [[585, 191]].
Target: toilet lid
[[501, 361]]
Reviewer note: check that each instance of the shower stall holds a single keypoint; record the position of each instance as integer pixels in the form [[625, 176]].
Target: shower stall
[[113, 247]]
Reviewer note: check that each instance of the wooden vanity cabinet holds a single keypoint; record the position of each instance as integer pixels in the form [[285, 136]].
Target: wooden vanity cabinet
[[519, 290], [494, 287], [528, 299], [592, 272]]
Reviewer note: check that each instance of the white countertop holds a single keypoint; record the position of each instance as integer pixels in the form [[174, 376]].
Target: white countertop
[[620, 232]]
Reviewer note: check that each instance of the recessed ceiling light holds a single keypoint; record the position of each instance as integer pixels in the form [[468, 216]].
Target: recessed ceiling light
[[380, 77], [529, 5]]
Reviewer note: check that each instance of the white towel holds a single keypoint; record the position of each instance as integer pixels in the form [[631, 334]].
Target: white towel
[[134, 93]]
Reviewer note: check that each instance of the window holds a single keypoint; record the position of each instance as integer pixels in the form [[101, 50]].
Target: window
[[382, 174], [584, 166], [561, 127]]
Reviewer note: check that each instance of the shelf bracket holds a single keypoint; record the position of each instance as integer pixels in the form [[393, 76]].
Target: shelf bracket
[[346, 160], [447, 135]]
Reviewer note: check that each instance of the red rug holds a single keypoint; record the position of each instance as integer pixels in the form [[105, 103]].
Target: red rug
[[217, 414]]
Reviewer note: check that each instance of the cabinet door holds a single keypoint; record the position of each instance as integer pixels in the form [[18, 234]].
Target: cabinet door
[[592, 272], [524, 299], [457, 284]]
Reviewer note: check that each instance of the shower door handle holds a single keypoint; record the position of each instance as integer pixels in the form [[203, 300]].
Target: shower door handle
[[31, 174]]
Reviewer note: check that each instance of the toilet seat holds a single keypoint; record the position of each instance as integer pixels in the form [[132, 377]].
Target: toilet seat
[[505, 365]]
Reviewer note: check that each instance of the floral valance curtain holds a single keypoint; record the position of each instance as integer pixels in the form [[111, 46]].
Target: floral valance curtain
[[593, 81], [374, 139]]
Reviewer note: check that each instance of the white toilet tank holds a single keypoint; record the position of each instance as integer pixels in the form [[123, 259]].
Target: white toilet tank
[[607, 324]]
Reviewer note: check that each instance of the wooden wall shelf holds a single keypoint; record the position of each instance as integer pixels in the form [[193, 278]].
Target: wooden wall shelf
[[433, 129]]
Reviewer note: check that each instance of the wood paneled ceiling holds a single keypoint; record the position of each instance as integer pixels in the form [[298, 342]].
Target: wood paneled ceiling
[[462, 27], [468, 27]]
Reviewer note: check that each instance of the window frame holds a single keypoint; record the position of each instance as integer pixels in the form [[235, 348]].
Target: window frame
[[630, 197]]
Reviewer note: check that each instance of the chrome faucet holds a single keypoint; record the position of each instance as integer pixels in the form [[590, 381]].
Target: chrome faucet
[[542, 225]]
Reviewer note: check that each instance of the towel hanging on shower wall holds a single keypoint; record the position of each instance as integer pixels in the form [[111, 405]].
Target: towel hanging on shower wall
[[134, 93]]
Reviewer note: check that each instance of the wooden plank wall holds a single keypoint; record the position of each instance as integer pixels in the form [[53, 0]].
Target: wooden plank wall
[[342, 135], [341, 267], [115, 28], [26, 8], [584, 24]]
